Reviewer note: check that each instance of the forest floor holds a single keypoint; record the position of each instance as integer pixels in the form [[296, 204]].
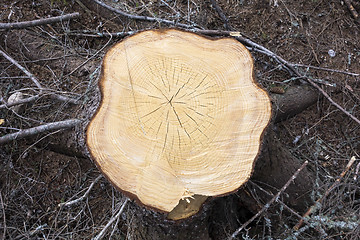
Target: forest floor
[[322, 37]]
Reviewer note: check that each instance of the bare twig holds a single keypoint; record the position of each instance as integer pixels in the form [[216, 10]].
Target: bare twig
[[327, 69], [21, 101], [221, 14], [39, 129], [267, 205], [356, 171], [36, 82], [314, 207], [289, 66], [86, 194], [43, 21], [103, 231], [29, 74], [351, 8], [142, 18], [279, 201], [101, 34], [87, 60], [4, 217]]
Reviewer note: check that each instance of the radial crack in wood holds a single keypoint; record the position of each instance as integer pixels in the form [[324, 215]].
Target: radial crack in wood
[[180, 115]]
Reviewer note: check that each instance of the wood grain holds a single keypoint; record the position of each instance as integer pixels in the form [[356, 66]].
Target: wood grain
[[180, 115]]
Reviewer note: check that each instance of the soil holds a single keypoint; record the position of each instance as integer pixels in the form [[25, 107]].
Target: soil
[[36, 175]]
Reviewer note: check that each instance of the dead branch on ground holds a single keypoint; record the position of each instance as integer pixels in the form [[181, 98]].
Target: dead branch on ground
[[142, 18], [86, 194], [103, 231], [42, 21], [4, 217], [93, 34], [39, 129], [290, 67], [314, 207], [268, 204], [87, 60], [221, 15], [36, 82], [351, 8]]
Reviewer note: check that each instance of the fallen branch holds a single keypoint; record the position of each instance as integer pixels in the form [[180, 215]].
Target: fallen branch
[[316, 205], [21, 101], [221, 14], [103, 231], [36, 82], [39, 129], [267, 205], [87, 60], [4, 216], [327, 69], [43, 21], [86, 194], [142, 18], [289, 66], [29, 74]]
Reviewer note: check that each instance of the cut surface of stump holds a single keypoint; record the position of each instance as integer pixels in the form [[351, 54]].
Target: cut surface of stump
[[180, 115]]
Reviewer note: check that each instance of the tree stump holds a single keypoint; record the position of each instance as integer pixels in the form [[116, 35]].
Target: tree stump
[[162, 103], [220, 215], [181, 119]]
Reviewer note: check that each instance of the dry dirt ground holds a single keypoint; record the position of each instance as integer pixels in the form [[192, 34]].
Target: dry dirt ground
[[37, 174]]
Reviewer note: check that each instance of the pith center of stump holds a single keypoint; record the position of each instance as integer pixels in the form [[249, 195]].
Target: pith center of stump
[[177, 106]]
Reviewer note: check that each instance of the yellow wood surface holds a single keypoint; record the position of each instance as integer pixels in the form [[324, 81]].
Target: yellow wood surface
[[180, 115]]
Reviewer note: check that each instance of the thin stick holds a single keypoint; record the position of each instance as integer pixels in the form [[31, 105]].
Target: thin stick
[[103, 231], [86, 194], [3, 209], [326, 69], [356, 171], [142, 18], [279, 201], [351, 9], [292, 70], [259, 48], [87, 60], [36, 82], [21, 101], [314, 207], [42, 21], [39, 129], [29, 74], [267, 205], [221, 14], [289, 66]]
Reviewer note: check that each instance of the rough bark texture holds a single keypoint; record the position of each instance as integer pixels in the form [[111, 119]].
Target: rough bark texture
[[295, 99]]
